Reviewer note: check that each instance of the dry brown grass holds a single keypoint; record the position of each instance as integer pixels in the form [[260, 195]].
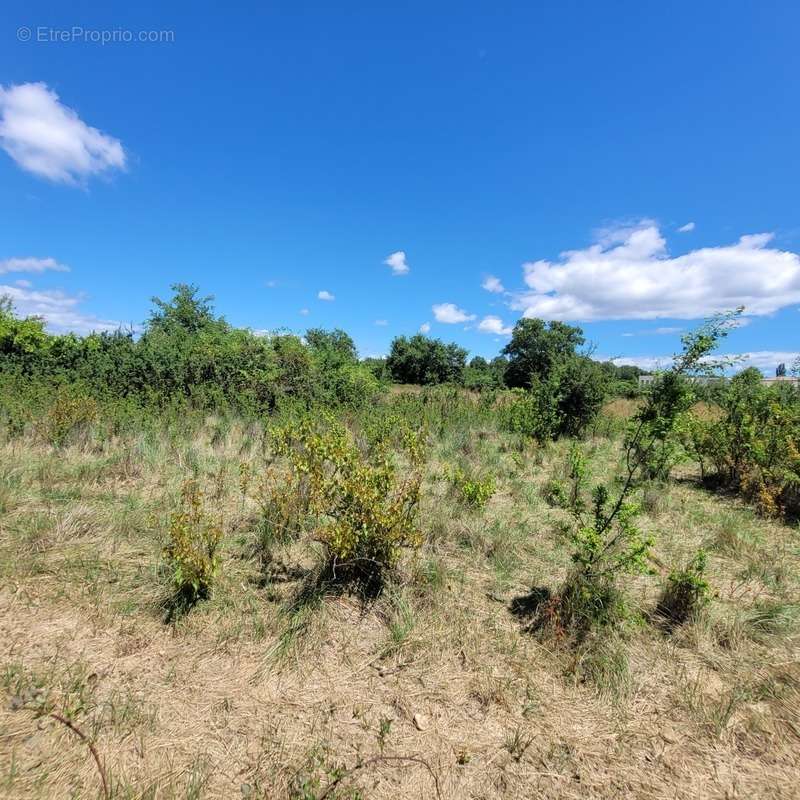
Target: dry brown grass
[[254, 695]]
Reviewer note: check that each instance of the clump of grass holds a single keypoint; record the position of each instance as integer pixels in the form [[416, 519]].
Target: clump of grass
[[401, 623], [603, 662], [770, 618]]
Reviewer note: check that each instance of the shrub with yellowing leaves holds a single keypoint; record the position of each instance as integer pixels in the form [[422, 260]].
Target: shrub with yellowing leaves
[[367, 511], [193, 541]]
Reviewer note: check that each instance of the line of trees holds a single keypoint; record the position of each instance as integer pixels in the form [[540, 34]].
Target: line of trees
[[187, 351]]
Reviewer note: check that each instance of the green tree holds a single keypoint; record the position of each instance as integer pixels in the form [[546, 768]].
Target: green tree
[[421, 360], [185, 311], [332, 349], [23, 342], [537, 347]]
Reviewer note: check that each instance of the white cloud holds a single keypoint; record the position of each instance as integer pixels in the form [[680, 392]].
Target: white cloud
[[425, 327], [689, 226], [382, 322], [23, 283], [667, 331], [628, 274], [765, 360], [492, 324], [59, 310], [50, 140], [325, 295], [31, 265], [397, 261], [451, 313], [304, 312], [492, 284]]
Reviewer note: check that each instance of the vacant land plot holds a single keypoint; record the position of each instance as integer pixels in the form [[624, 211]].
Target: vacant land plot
[[441, 686]]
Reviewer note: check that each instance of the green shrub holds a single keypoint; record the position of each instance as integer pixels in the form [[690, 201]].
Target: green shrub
[[555, 493], [70, 411], [687, 592], [367, 512], [753, 445], [473, 491], [191, 549]]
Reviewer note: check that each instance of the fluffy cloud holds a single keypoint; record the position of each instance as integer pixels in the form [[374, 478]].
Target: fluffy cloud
[[668, 331], [492, 324], [382, 322], [59, 310], [689, 226], [665, 331], [765, 360], [492, 284], [50, 140], [425, 327], [451, 313], [304, 311], [628, 274], [325, 295], [397, 261], [31, 265]]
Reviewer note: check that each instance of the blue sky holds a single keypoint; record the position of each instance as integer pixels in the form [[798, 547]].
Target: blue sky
[[268, 152]]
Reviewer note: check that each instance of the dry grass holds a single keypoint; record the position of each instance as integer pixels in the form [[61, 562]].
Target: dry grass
[[255, 694]]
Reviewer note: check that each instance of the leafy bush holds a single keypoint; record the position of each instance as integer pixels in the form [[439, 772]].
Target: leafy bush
[[687, 591], [70, 410], [473, 491], [555, 493], [191, 550], [753, 446], [561, 403], [654, 441], [608, 546], [368, 513], [568, 493], [528, 413]]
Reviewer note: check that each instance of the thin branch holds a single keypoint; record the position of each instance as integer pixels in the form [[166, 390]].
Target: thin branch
[[76, 730], [376, 760]]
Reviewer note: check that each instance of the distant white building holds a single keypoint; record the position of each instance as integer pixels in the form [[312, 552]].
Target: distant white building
[[780, 379], [705, 380]]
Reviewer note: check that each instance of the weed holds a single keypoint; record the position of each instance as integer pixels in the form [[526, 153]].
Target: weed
[[687, 592], [517, 743], [191, 550], [472, 491]]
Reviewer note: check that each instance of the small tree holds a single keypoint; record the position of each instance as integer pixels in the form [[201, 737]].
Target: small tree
[[609, 544], [780, 371]]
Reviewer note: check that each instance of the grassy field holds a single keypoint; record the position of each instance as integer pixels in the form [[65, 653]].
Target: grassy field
[[439, 688]]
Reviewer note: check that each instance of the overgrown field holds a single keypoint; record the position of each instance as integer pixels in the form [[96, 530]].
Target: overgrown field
[[374, 604]]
